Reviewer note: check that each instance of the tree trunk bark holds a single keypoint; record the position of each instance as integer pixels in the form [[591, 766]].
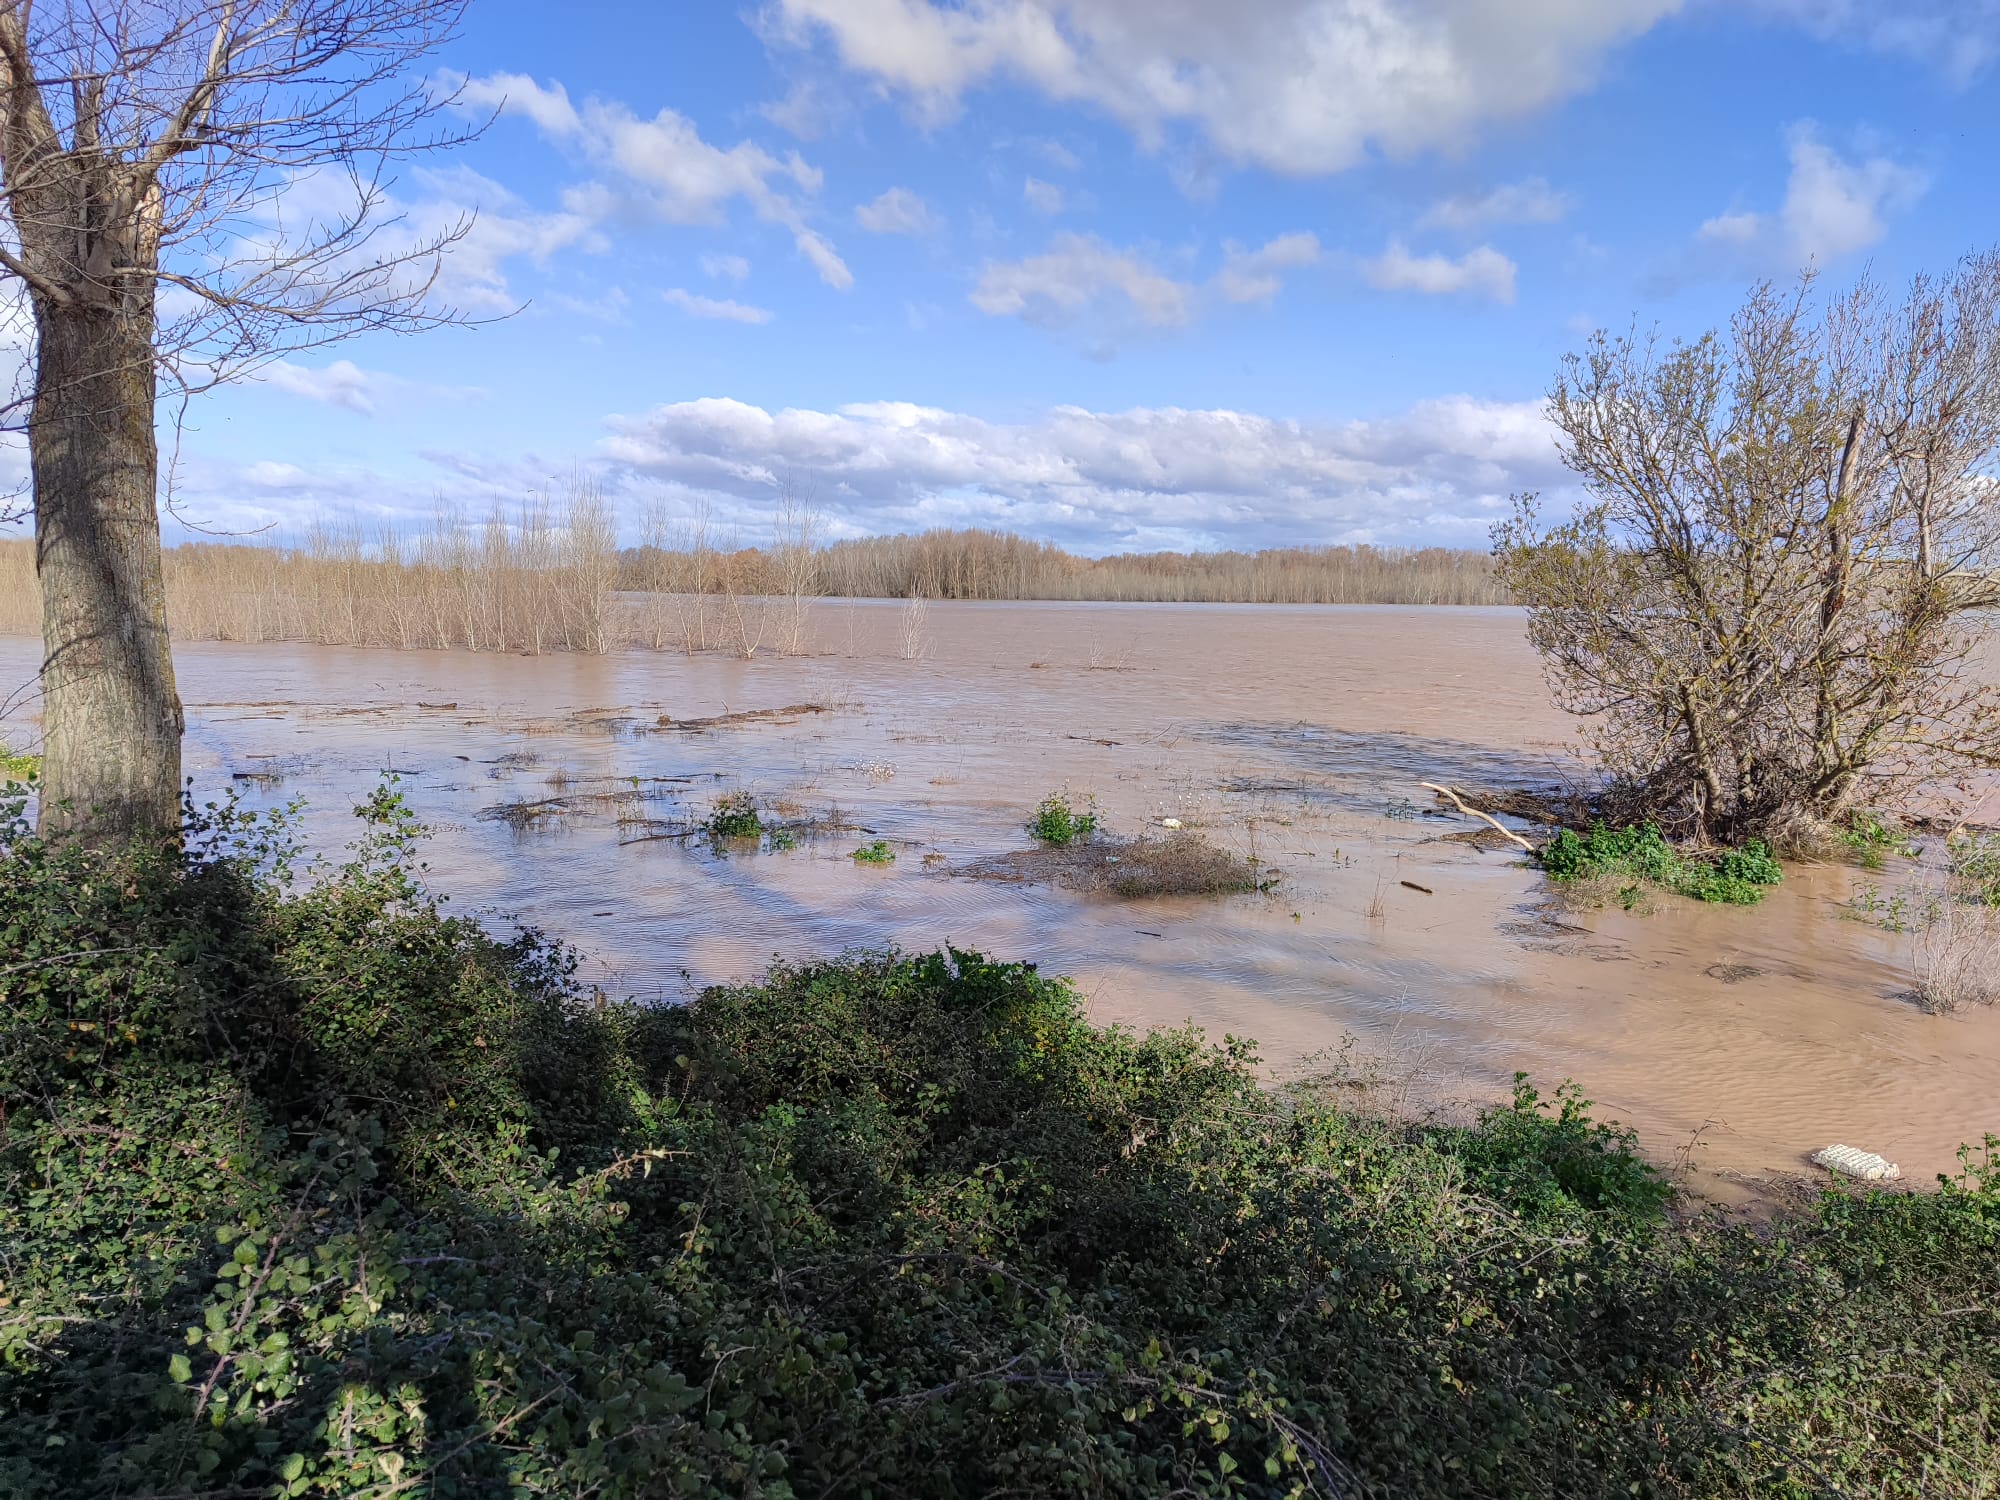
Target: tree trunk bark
[[111, 768]]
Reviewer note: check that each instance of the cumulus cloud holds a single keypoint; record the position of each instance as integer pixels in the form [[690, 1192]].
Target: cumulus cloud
[[1042, 197], [1834, 205], [896, 210], [1298, 86], [697, 306], [1252, 275], [1529, 201], [1483, 272], [1076, 271], [1156, 477], [661, 168]]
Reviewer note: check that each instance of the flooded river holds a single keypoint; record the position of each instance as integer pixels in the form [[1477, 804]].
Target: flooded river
[[1297, 735]]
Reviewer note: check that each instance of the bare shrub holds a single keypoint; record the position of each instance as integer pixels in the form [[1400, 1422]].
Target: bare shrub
[[795, 552], [1767, 608], [1955, 960]]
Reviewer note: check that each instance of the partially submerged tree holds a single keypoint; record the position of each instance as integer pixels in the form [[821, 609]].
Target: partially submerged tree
[[188, 188], [1792, 544]]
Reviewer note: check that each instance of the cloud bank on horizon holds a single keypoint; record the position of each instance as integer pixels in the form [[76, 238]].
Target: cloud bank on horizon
[[1113, 273]]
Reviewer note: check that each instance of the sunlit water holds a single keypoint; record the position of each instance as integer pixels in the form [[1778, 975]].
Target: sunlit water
[[1295, 734]]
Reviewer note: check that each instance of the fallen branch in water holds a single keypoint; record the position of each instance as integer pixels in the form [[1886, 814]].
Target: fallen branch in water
[[1473, 812]]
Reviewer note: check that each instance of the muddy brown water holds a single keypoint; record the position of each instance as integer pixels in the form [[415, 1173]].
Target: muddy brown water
[[1298, 735]]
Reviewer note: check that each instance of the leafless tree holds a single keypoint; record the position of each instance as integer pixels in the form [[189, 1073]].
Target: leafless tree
[[188, 189], [1791, 545], [795, 549]]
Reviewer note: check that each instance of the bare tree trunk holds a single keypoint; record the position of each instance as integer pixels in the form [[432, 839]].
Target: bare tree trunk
[[112, 764]]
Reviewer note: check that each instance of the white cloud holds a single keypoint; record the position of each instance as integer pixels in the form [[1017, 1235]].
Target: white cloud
[[1252, 275], [1960, 38], [832, 269], [896, 211], [1059, 156], [342, 383], [661, 167], [1076, 271], [1154, 477], [697, 306], [1529, 201], [725, 267], [1042, 197], [1484, 271], [1834, 205], [1300, 86]]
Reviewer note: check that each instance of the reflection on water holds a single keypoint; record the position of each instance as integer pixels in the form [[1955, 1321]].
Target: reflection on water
[[1296, 735]]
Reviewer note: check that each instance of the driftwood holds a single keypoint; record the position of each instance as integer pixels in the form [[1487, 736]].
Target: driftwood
[[1473, 812], [1412, 885], [746, 716]]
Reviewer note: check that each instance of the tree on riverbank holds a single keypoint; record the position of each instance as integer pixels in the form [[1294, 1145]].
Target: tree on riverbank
[[189, 188], [1769, 604]]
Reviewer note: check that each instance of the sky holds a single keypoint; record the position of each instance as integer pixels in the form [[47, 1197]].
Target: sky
[[1116, 274]]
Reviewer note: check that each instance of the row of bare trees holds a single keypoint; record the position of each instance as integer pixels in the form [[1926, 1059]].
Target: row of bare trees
[[684, 558]]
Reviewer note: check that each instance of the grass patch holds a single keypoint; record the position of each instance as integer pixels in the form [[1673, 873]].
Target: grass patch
[[1058, 821], [17, 766], [877, 853], [313, 1189], [1737, 877]]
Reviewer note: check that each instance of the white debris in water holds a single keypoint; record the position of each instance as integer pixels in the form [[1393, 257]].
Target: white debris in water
[[1170, 822], [1850, 1161]]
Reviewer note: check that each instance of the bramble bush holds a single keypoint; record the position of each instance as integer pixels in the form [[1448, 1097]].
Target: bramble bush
[[1736, 877], [308, 1187]]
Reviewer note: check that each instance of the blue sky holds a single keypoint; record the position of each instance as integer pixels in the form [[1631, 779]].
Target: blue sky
[[1114, 273]]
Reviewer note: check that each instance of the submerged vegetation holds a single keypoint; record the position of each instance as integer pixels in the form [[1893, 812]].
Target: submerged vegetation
[[734, 816], [310, 1189], [1059, 822], [1737, 877], [877, 853]]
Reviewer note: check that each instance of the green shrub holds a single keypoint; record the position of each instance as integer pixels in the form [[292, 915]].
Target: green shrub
[[17, 767], [308, 1188], [877, 853], [1869, 839], [1057, 821], [1739, 877], [734, 816]]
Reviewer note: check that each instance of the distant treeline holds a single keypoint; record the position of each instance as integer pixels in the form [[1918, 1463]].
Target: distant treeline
[[550, 579], [977, 564]]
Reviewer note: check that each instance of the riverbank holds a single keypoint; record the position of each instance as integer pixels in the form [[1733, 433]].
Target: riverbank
[[318, 1189]]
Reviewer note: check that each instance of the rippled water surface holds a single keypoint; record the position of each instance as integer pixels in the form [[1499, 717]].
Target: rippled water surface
[[1298, 735]]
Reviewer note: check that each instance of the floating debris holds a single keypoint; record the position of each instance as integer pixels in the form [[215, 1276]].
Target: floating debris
[[1852, 1161]]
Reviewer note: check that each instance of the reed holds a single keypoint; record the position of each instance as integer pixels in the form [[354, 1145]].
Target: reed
[[549, 577], [538, 581]]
